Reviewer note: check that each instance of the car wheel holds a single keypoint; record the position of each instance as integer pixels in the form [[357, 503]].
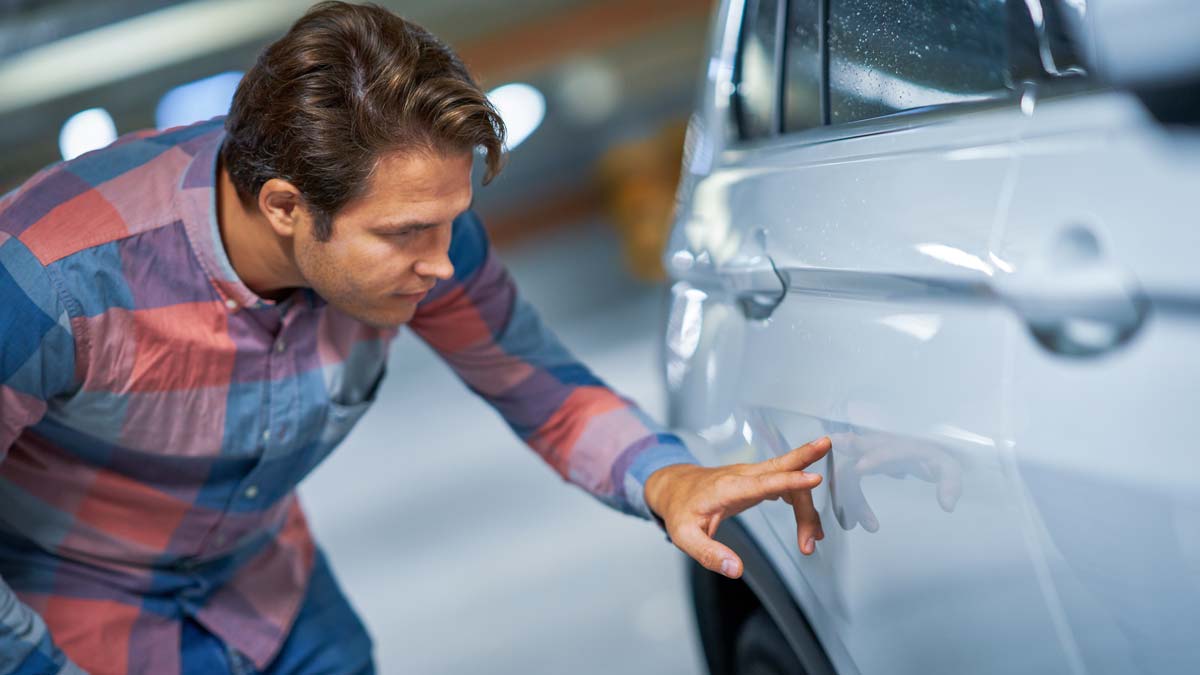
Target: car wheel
[[762, 649]]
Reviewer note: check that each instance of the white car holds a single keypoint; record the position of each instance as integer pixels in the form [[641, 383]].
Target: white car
[[962, 239]]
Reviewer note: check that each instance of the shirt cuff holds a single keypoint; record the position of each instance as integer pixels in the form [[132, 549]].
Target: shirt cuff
[[668, 451]]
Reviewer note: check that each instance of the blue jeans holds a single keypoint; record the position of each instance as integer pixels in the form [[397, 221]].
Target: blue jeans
[[327, 638]]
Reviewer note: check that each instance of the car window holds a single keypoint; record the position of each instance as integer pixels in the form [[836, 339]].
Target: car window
[[757, 72], [885, 57], [802, 67]]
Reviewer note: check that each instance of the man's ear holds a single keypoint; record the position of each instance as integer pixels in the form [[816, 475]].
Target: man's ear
[[281, 203]]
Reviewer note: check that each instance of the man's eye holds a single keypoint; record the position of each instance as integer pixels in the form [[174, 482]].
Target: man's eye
[[409, 232]]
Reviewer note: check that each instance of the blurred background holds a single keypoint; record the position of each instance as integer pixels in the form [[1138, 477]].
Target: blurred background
[[594, 93], [462, 551]]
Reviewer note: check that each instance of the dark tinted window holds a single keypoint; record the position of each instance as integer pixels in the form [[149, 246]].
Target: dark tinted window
[[890, 56], [755, 102], [802, 67]]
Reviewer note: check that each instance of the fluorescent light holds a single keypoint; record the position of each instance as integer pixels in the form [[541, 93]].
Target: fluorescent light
[[85, 131], [195, 101], [138, 45], [522, 107]]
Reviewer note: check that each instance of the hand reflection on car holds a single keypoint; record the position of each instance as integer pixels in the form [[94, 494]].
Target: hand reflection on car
[[861, 452]]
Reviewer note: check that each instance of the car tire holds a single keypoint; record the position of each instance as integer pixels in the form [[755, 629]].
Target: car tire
[[762, 650]]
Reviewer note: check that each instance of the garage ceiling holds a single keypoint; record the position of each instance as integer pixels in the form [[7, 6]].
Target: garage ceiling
[[652, 51]]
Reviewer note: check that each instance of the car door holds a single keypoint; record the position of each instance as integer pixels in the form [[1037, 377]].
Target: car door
[[834, 258], [1101, 240]]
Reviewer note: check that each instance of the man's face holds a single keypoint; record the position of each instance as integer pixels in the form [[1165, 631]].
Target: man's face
[[390, 245]]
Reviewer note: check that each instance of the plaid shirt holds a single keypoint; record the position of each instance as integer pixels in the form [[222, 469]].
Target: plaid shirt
[[156, 415]]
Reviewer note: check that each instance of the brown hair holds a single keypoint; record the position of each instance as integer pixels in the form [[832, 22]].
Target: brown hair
[[346, 84]]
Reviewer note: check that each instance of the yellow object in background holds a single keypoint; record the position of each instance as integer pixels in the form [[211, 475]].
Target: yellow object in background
[[637, 184]]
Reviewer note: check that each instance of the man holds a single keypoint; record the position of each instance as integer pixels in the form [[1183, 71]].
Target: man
[[193, 319]]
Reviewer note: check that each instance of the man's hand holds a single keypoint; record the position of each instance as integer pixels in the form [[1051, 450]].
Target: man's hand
[[693, 500]]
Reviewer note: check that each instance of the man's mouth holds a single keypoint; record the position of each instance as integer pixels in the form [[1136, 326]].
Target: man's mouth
[[412, 297]]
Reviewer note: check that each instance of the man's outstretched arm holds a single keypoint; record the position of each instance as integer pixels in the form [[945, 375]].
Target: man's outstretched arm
[[592, 436], [37, 361], [499, 347]]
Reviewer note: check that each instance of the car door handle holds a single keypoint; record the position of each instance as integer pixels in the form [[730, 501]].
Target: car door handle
[[1074, 299], [756, 283]]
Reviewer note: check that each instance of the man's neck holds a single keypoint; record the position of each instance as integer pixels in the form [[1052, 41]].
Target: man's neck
[[260, 258]]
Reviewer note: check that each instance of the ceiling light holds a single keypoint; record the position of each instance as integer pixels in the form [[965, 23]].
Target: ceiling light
[[139, 45], [196, 101], [85, 131], [522, 107]]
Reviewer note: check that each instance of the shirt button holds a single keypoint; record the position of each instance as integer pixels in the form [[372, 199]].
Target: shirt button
[[280, 345], [251, 492], [266, 435], [231, 304]]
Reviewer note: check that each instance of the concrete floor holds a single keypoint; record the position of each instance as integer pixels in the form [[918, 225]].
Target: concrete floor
[[463, 552]]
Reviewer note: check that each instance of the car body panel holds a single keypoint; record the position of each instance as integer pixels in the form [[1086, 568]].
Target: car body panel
[[988, 308], [1106, 445], [888, 279]]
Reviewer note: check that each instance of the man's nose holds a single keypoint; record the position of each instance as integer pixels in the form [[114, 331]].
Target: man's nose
[[436, 266]]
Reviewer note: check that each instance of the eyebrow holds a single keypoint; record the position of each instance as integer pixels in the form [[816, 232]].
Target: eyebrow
[[400, 226], [405, 226]]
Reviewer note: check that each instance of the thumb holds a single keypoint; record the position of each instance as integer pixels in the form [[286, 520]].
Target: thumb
[[710, 553]]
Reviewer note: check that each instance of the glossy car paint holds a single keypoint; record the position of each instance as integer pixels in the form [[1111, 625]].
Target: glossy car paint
[[1106, 449], [993, 312]]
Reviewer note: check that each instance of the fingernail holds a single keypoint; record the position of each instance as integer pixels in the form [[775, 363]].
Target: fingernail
[[811, 545], [729, 568]]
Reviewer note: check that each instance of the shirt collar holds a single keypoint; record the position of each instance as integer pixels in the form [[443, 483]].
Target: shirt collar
[[197, 206]]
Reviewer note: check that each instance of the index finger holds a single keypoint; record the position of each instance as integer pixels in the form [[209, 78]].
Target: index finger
[[746, 491], [796, 459]]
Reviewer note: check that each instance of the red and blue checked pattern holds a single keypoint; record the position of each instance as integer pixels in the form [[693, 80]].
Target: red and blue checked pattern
[[156, 415]]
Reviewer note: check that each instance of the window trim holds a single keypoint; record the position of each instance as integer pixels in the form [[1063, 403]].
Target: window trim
[[736, 141], [822, 66], [823, 54], [781, 16], [902, 120], [735, 100]]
